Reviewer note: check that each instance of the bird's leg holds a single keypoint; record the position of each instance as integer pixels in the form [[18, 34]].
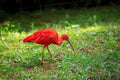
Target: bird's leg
[[43, 61], [49, 52]]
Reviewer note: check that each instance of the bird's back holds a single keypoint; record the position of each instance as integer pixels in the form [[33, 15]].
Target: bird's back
[[45, 37]]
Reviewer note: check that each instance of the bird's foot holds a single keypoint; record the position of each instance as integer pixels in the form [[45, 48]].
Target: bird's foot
[[53, 58], [43, 61]]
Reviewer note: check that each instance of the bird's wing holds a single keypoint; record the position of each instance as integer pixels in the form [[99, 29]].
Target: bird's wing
[[45, 37], [32, 37]]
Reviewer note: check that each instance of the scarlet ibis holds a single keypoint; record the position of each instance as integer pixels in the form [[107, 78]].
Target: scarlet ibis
[[46, 37]]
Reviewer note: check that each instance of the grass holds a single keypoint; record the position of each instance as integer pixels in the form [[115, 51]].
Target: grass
[[94, 34]]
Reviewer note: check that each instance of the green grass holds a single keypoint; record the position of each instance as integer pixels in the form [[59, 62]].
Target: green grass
[[94, 34]]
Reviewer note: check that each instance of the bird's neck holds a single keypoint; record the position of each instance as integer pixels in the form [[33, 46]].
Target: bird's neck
[[60, 40]]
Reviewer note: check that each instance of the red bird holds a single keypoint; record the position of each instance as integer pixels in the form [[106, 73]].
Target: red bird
[[47, 37]]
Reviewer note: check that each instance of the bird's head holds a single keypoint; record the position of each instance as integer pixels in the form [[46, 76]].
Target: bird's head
[[66, 37]]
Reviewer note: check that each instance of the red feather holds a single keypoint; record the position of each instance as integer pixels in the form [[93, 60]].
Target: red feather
[[45, 37]]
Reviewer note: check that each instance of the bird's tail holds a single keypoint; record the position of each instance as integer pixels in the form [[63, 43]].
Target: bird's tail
[[27, 39]]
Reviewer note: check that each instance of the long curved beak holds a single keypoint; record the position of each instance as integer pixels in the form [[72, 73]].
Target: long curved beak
[[71, 46]]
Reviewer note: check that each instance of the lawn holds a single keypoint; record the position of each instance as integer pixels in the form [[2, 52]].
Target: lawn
[[94, 33]]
